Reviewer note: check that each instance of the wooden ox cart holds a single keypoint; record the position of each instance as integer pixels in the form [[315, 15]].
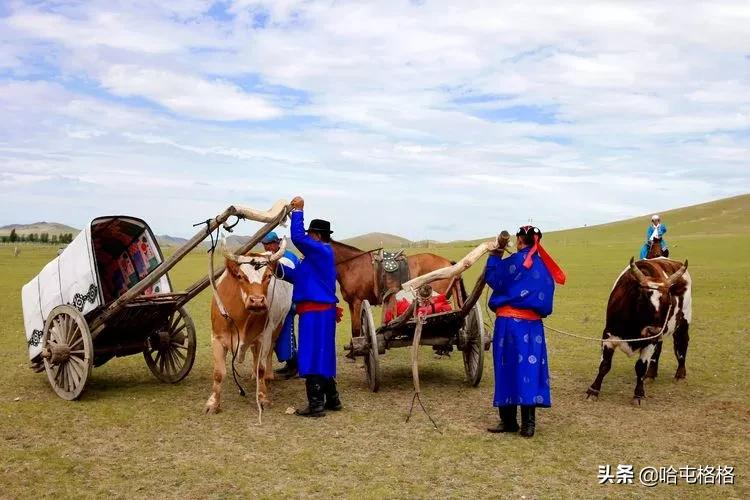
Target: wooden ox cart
[[462, 327], [108, 294]]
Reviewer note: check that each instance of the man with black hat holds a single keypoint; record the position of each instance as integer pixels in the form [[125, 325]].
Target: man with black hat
[[314, 294], [523, 287], [286, 347]]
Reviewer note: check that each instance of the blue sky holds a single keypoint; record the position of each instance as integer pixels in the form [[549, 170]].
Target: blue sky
[[426, 119]]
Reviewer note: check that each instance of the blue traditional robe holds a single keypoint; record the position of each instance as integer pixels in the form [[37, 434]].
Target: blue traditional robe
[[286, 347], [649, 233], [314, 280], [519, 347]]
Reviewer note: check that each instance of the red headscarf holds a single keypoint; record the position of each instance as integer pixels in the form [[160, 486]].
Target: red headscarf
[[557, 274]]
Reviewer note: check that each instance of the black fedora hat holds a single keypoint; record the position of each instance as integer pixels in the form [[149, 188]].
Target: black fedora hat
[[320, 226]]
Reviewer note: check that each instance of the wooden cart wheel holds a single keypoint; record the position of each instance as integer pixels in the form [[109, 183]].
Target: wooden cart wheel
[[372, 365], [171, 351], [68, 351], [473, 345]]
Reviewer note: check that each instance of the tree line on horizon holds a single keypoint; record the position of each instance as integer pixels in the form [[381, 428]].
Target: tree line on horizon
[[44, 238]]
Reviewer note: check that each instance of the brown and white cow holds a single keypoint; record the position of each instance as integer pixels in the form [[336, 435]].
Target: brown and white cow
[[650, 296], [257, 303]]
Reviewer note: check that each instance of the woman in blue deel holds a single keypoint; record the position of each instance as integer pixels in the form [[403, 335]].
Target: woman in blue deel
[[523, 288]]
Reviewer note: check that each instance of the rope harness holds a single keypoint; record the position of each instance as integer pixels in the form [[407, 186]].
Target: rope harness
[[220, 304], [489, 327], [415, 373]]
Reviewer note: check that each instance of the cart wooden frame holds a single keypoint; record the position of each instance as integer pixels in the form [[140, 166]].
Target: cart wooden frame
[[462, 327]]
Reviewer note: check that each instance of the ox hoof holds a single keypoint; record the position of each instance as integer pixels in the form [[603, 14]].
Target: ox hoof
[[638, 400], [592, 394], [212, 409], [678, 380]]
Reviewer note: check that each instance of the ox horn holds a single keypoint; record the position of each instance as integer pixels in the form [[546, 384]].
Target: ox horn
[[240, 259], [677, 275], [282, 248], [638, 273]]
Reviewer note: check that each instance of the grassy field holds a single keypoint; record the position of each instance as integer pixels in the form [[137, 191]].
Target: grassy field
[[131, 436]]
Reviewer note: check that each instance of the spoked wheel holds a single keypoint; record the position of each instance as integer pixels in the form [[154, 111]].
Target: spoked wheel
[[68, 352], [472, 337], [171, 351], [372, 365]]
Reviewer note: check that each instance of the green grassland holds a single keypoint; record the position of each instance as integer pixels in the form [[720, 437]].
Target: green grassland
[[131, 436]]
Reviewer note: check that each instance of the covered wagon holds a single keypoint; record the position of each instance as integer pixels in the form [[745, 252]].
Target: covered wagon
[[108, 294]]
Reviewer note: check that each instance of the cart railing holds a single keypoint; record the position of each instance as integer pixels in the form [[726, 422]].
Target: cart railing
[[273, 217]]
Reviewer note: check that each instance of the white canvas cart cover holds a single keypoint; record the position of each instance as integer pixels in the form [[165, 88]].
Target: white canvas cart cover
[[107, 257]]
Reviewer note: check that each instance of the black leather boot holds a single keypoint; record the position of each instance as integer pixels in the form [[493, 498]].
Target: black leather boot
[[508, 421], [289, 370], [315, 398], [333, 402], [528, 421]]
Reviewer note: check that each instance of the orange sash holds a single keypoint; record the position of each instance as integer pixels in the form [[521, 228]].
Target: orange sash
[[514, 312]]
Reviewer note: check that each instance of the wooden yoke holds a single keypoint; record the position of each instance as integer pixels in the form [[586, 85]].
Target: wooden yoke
[[499, 245], [248, 213]]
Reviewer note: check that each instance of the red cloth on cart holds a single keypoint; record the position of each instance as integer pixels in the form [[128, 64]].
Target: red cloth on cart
[[438, 304]]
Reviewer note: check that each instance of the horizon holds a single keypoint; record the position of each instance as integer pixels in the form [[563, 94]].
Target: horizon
[[282, 231], [431, 120]]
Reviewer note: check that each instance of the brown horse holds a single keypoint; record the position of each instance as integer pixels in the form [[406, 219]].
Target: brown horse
[[356, 276], [654, 249]]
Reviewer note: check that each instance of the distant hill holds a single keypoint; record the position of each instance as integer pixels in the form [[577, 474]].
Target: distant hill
[[365, 241], [721, 217], [55, 228], [727, 216], [50, 228], [165, 240], [376, 240]]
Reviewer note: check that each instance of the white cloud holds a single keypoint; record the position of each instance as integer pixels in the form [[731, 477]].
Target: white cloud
[[564, 112], [188, 95]]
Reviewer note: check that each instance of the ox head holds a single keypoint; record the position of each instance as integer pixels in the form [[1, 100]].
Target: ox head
[[655, 294], [253, 273]]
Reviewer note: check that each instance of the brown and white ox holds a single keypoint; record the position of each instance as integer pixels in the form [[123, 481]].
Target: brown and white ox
[[257, 303], [649, 297]]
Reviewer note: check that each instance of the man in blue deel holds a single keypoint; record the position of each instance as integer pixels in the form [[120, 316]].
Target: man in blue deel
[[286, 347], [523, 288], [314, 281]]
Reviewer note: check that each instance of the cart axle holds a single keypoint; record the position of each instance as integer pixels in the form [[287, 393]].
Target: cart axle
[[57, 353]]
